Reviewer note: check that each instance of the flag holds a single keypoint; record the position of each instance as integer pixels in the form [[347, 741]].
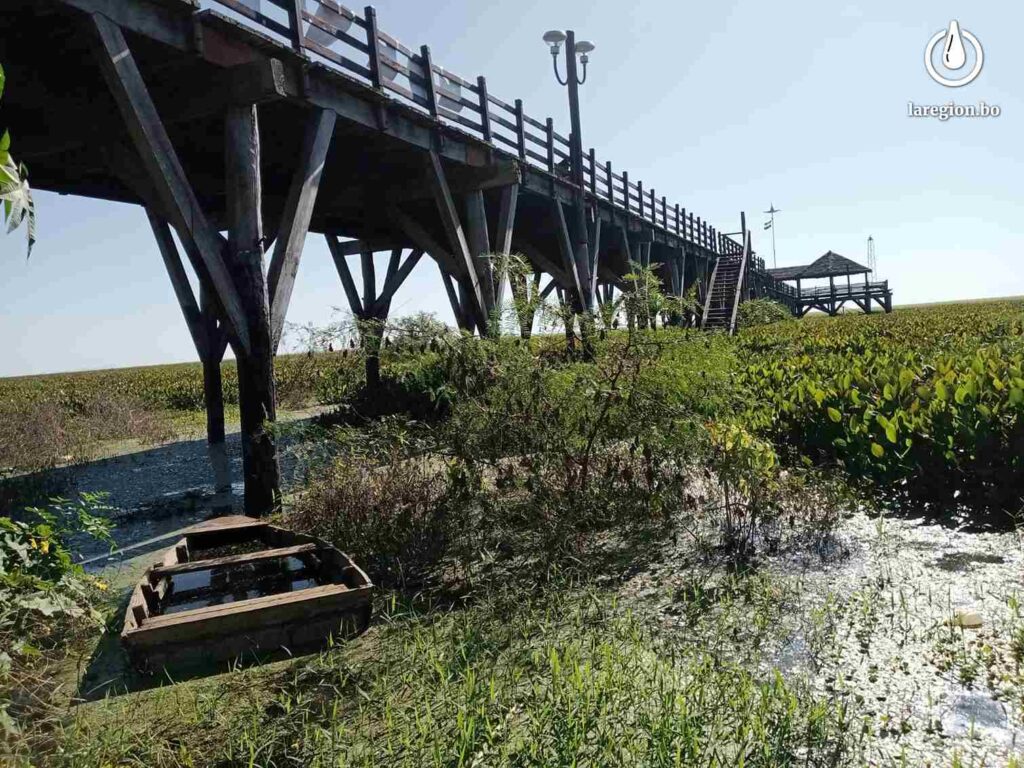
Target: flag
[[767, 225]]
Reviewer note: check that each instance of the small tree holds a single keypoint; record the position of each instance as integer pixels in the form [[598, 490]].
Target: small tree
[[526, 298], [14, 189], [643, 297]]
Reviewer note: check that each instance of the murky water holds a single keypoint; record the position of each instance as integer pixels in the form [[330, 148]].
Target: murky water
[[240, 581]]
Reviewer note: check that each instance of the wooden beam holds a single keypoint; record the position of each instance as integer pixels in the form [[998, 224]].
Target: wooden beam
[[165, 171], [552, 285], [179, 281], [565, 248], [369, 278], [461, 319], [539, 259], [594, 242], [298, 211], [355, 304], [423, 240], [394, 281], [393, 263], [480, 248], [625, 247], [507, 204], [453, 227], [353, 247]]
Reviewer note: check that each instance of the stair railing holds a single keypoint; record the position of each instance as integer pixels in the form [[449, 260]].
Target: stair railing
[[741, 280], [711, 290]]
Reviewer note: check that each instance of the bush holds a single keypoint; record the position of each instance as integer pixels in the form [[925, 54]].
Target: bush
[[45, 598], [392, 519], [762, 312]]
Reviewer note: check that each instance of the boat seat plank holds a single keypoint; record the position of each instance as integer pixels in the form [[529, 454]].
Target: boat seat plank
[[218, 562]]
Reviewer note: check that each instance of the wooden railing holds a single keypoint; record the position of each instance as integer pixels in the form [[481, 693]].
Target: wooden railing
[[325, 30], [844, 291]]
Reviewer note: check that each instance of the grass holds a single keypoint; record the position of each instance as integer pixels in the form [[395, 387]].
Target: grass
[[559, 678]]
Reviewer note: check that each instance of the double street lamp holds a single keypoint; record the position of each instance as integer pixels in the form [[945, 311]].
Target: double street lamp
[[574, 50], [576, 53]]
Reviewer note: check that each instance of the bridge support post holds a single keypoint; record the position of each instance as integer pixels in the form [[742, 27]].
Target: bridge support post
[[213, 392], [373, 308], [256, 396]]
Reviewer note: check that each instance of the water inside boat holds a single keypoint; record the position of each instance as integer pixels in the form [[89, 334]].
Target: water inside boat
[[238, 581]]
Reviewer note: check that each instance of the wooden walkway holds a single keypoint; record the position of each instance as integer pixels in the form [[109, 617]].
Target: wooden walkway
[[269, 120]]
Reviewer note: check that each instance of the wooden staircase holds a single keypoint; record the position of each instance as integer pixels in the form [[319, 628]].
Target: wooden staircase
[[725, 290]]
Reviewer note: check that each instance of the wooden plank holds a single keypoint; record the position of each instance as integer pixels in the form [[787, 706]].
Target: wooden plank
[[369, 278], [164, 571], [179, 281], [298, 211], [354, 302], [423, 240], [165, 171], [269, 609]]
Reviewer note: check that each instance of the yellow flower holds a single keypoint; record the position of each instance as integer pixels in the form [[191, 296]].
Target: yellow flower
[[44, 546], [101, 585]]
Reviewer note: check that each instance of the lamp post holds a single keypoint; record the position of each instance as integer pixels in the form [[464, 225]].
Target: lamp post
[[573, 79]]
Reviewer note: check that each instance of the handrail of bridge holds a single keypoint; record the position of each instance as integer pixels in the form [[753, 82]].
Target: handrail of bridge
[[855, 289], [354, 43]]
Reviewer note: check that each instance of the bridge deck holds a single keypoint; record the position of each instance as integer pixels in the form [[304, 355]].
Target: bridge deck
[[195, 60]]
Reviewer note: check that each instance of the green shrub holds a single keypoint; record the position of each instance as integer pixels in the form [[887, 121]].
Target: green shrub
[[762, 312]]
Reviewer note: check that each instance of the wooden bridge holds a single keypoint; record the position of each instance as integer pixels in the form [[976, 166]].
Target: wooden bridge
[[246, 125]]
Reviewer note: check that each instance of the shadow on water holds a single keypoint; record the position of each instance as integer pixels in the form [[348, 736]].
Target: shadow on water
[[152, 492]]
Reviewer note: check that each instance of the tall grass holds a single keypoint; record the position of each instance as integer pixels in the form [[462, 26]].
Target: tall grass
[[561, 678]]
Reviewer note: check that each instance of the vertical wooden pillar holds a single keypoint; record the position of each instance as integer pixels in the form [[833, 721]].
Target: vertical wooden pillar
[[256, 396], [213, 391]]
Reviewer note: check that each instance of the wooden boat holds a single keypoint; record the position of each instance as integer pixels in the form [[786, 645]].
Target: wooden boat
[[234, 586]]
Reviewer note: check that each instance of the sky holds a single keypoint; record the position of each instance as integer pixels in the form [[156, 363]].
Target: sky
[[724, 107]]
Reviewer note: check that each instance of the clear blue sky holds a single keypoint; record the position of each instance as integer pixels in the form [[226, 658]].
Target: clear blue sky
[[722, 106]]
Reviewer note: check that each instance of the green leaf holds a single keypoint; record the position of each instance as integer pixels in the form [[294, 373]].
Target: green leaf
[[835, 415], [877, 451], [940, 390], [5, 141], [891, 432], [1016, 396]]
